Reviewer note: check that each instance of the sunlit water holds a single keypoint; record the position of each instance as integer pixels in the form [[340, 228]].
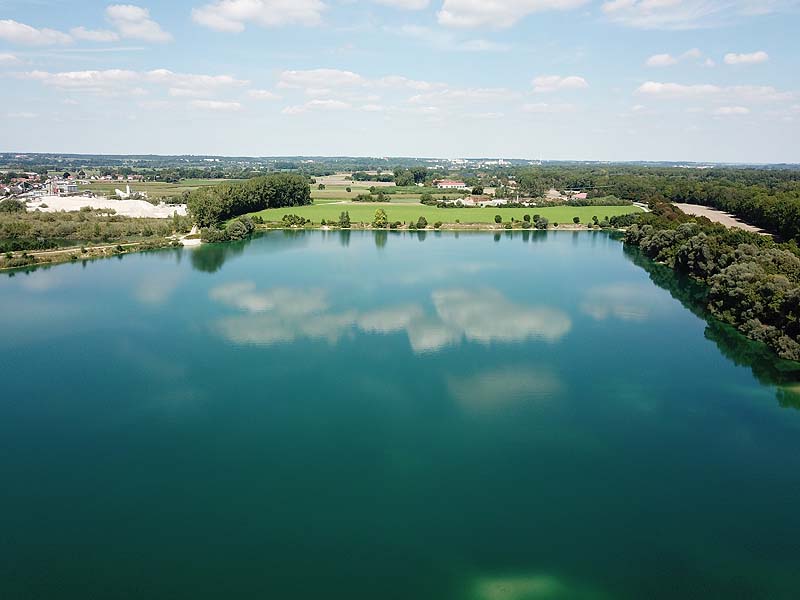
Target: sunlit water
[[359, 415]]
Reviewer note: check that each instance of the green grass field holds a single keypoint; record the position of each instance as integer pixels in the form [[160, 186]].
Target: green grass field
[[411, 212], [154, 189]]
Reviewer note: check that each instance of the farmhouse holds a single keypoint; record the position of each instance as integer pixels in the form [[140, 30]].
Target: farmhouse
[[449, 184]]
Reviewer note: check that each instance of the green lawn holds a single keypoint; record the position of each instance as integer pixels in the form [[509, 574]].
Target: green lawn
[[154, 189], [411, 212]]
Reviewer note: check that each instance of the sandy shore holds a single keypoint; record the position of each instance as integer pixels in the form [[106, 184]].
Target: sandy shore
[[128, 208], [718, 217]]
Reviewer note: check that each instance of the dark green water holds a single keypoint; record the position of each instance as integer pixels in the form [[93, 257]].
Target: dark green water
[[378, 416]]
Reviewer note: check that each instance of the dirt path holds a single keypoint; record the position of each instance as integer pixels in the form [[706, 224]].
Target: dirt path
[[718, 216]]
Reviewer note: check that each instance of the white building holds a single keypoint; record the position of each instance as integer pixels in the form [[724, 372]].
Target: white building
[[64, 188]]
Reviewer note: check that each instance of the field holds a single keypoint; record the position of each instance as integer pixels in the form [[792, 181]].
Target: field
[[411, 212], [154, 189]]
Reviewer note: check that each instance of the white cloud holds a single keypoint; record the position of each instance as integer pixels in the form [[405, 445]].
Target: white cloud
[[405, 4], [727, 111], [544, 108], [497, 13], [661, 60], [451, 96], [327, 104], [121, 81], [749, 93], [667, 60], [752, 58], [94, 35], [677, 90], [263, 95], [319, 79], [442, 39], [686, 14], [19, 33], [217, 105], [21, 115], [553, 83], [8, 59], [233, 15], [134, 22]]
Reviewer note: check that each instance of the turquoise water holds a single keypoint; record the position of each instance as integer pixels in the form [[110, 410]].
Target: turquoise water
[[391, 415]]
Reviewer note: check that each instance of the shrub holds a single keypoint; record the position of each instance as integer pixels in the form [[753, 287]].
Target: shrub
[[526, 218], [437, 225], [344, 220], [507, 226], [576, 220], [422, 223], [293, 221], [498, 219]]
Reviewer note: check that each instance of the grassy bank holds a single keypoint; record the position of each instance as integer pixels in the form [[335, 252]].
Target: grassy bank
[[411, 212]]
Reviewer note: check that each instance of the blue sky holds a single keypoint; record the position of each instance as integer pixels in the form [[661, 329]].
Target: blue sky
[[700, 80]]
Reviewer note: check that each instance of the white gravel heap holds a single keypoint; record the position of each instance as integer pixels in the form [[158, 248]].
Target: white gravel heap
[[127, 208]]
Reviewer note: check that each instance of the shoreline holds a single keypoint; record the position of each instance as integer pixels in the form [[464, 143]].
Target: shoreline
[[80, 253]]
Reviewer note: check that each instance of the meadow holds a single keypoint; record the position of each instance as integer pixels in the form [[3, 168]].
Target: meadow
[[405, 212], [154, 189]]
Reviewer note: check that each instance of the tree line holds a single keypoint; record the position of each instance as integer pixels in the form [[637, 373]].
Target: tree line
[[211, 206]]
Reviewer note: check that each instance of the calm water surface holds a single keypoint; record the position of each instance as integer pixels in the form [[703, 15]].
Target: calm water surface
[[359, 415]]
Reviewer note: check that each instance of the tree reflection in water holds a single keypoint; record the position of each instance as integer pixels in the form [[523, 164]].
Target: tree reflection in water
[[766, 367]]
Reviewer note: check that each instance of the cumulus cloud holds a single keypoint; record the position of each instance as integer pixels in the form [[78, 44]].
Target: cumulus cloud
[[661, 60], [729, 111], [319, 104], [753, 93], [686, 14], [263, 95], [134, 22], [677, 90], [667, 60], [122, 80], [545, 108], [752, 58], [319, 79], [25, 35], [554, 83], [497, 13], [234, 15], [8, 59], [21, 115], [405, 4], [442, 39], [94, 35], [217, 105]]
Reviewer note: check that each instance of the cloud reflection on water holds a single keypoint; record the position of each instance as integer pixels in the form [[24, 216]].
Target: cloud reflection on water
[[624, 301], [504, 387], [282, 315]]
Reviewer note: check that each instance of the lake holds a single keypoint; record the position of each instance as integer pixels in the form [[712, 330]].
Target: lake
[[348, 415]]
